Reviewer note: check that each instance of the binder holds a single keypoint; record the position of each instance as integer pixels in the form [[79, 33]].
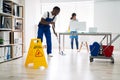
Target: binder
[[17, 51], [2, 21], [1, 6], [6, 7], [7, 22], [1, 54], [7, 53]]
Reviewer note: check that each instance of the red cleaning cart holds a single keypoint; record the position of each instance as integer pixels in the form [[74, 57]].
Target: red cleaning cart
[[97, 50]]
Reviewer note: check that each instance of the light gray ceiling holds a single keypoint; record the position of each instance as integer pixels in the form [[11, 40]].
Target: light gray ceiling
[[51, 1]]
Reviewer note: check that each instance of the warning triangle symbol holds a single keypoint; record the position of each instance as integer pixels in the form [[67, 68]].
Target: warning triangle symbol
[[38, 53]]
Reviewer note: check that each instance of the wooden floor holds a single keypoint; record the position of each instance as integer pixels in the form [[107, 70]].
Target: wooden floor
[[72, 66]]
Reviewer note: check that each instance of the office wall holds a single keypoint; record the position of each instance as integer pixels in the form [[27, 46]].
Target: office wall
[[83, 9], [32, 17], [34, 10], [107, 17], [103, 14]]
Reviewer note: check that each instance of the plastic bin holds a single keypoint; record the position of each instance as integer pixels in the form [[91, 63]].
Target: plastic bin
[[107, 50], [94, 49]]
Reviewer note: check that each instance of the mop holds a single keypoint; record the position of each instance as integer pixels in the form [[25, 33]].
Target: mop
[[60, 52]]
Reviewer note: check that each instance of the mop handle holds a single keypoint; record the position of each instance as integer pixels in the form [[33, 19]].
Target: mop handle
[[102, 39], [114, 39]]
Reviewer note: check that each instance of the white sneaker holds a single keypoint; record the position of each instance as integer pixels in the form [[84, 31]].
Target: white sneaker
[[78, 50], [50, 55]]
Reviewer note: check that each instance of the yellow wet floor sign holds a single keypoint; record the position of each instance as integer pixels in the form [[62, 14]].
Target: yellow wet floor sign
[[36, 54]]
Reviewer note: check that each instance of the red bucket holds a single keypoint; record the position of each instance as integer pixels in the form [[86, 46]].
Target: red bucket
[[107, 50]]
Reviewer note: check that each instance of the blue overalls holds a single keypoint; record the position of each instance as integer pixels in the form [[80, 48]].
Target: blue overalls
[[45, 29]]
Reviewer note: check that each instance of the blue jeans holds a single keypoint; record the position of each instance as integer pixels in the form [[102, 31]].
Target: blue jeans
[[72, 42], [74, 36]]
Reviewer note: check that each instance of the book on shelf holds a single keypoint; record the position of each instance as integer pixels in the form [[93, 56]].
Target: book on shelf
[[1, 54], [17, 51], [5, 22], [8, 23], [7, 53], [1, 6], [20, 11], [17, 38], [7, 8], [1, 21], [17, 11], [5, 38]]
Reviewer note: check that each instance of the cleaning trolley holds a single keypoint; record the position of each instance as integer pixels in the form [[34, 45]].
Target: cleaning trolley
[[100, 51]]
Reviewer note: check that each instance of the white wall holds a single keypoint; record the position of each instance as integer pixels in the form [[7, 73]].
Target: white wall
[[83, 9], [33, 13], [32, 17], [107, 17]]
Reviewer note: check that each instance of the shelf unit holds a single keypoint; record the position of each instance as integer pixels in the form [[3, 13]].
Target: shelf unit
[[11, 30]]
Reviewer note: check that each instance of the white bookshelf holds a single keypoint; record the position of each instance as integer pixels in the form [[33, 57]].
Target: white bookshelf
[[11, 30]]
